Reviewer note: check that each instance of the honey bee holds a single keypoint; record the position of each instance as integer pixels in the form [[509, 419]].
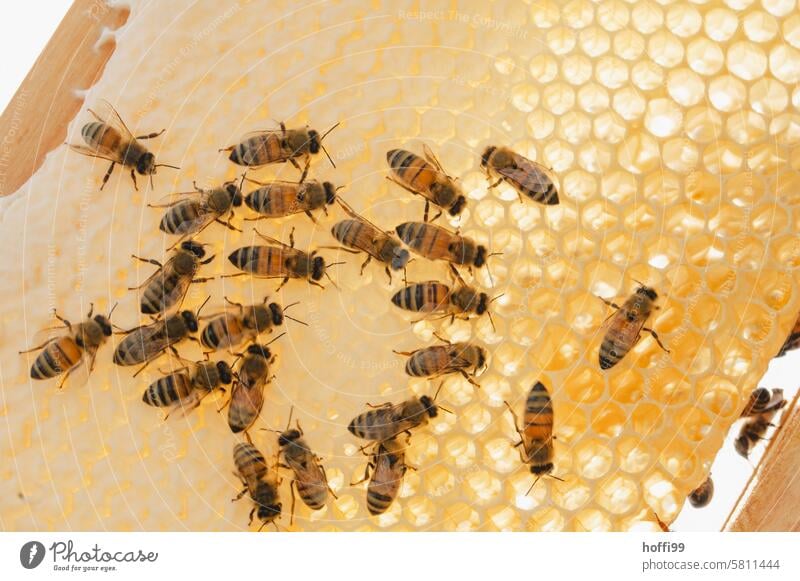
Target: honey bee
[[66, 353], [252, 470], [278, 199], [194, 211], [266, 147], [388, 466], [527, 177], [109, 138], [464, 358], [230, 330], [363, 235], [702, 495], [427, 179], [167, 286], [762, 400], [756, 427], [536, 435], [626, 325], [310, 479], [437, 243], [792, 341], [435, 297], [247, 394], [187, 387], [143, 344], [388, 420], [279, 261]]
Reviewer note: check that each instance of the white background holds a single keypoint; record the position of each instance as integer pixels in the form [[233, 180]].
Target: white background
[[25, 28]]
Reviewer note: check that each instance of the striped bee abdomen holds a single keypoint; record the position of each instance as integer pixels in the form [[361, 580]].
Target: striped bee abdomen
[[182, 218], [59, 356], [411, 169], [314, 494], [427, 362], [100, 134], [168, 390], [424, 297], [222, 332], [250, 463], [612, 350], [257, 150], [165, 290], [538, 419]]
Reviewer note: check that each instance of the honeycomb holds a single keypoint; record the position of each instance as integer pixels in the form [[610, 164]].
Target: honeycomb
[[673, 130]]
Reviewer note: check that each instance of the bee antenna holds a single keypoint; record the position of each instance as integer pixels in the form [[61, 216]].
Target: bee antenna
[[289, 423], [329, 276], [111, 311], [532, 485], [167, 165], [289, 305], [640, 283], [556, 478], [324, 135], [296, 320], [438, 389], [491, 320], [330, 159], [275, 339], [444, 409], [497, 297], [208, 298]]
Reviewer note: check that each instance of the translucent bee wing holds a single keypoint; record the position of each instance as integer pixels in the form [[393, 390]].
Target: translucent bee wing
[[431, 157], [259, 133], [101, 153], [105, 113]]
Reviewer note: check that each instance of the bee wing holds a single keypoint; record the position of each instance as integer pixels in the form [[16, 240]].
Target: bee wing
[[105, 113], [101, 153], [147, 340], [431, 157], [355, 215], [159, 272], [176, 198], [49, 334], [528, 175], [386, 480], [259, 133]]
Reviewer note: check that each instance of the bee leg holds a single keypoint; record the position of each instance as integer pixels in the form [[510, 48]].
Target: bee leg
[[36, 348], [516, 421], [141, 369], [66, 375], [325, 475], [403, 353], [609, 303], [310, 215], [241, 494], [294, 499], [234, 304], [63, 320], [305, 169], [366, 262], [436, 217], [247, 436], [152, 261], [108, 175], [252, 512], [228, 225], [291, 238], [655, 336], [133, 177], [425, 213], [469, 378], [388, 273], [495, 184], [370, 465], [151, 135]]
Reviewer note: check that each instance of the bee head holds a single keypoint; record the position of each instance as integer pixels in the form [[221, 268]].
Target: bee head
[[146, 164], [487, 153], [288, 437], [225, 373], [313, 141], [260, 350], [190, 320], [648, 292], [318, 268], [483, 303], [235, 193], [480, 257], [481, 357], [277, 314], [330, 192], [429, 406], [104, 323], [269, 512], [194, 248], [400, 258], [458, 207], [542, 469], [742, 446]]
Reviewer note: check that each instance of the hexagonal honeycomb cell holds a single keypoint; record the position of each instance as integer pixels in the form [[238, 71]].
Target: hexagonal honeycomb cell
[[671, 128]]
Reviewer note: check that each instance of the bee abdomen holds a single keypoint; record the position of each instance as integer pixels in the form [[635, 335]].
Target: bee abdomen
[[611, 352], [378, 503], [94, 132], [423, 364], [180, 219], [260, 201], [314, 494], [58, 357], [157, 295], [249, 461], [168, 390]]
